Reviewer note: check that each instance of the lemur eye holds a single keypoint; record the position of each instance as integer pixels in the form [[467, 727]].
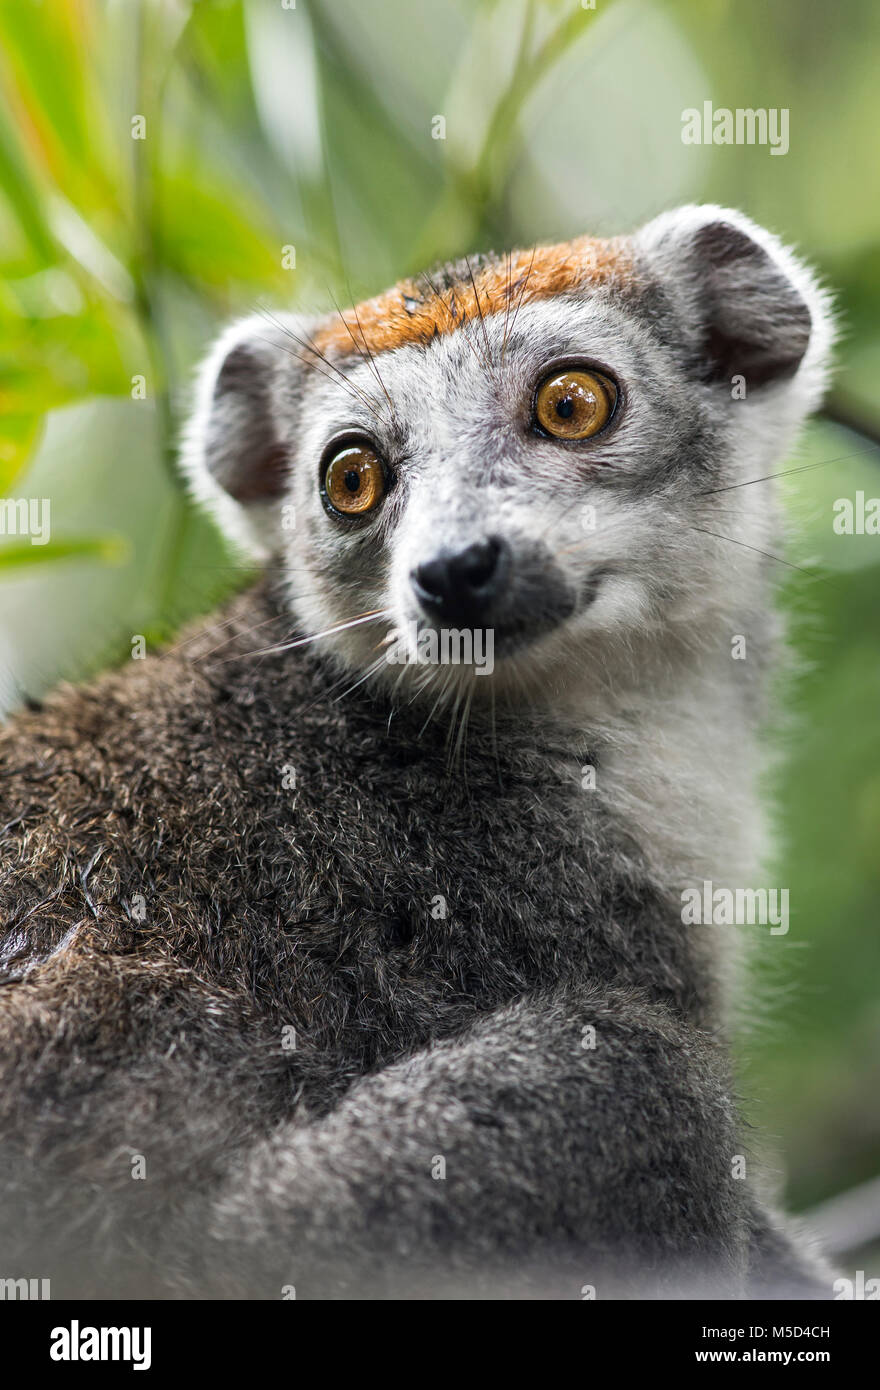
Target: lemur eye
[[354, 481], [574, 404]]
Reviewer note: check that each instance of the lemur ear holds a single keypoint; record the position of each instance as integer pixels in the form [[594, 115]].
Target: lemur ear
[[747, 306], [234, 452]]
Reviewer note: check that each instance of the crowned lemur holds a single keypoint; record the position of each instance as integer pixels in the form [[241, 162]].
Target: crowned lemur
[[337, 963]]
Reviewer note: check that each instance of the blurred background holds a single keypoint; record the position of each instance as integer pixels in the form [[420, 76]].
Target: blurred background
[[166, 164]]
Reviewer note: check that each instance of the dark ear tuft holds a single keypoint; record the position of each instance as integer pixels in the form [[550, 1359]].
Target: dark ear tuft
[[242, 450], [235, 449], [746, 307], [756, 325]]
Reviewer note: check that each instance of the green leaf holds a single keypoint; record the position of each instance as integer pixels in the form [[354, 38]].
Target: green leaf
[[109, 550]]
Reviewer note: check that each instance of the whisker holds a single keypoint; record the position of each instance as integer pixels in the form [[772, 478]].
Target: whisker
[[313, 367], [372, 357], [440, 695], [522, 293], [494, 734], [768, 554], [480, 312], [367, 357], [316, 636], [169, 651], [311, 346], [461, 742], [456, 323], [231, 638], [370, 671], [324, 694], [508, 273], [786, 472]]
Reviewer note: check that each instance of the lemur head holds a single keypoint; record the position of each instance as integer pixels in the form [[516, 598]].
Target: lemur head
[[548, 446]]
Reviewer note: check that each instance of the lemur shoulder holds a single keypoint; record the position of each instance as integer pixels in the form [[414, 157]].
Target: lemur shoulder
[[379, 966]]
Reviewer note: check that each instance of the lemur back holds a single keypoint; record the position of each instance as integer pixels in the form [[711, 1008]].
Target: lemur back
[[376, 965]]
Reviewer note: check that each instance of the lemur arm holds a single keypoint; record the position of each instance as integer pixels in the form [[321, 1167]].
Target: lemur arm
[[565, 1166], [507, 1161]]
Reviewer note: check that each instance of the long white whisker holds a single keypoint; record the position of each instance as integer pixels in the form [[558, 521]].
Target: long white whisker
[[328, 632], [370, 671]]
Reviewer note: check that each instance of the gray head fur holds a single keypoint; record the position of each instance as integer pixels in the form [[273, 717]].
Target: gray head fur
[[711, 301]]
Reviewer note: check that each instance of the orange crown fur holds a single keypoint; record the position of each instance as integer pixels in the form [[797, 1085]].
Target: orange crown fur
[[417, 312]]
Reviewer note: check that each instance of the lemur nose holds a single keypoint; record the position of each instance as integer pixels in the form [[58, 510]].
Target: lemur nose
[[462, 586]]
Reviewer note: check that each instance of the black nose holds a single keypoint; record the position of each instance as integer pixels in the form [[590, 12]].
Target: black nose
[[462, 587]]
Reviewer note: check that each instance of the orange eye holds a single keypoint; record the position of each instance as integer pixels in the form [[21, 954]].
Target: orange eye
[[355, 480], [575, 404]]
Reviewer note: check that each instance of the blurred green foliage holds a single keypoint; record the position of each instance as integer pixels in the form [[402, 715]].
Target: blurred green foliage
[[310, 127]]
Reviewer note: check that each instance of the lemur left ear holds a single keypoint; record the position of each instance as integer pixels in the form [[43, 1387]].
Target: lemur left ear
[[235, 454], [746, 305]]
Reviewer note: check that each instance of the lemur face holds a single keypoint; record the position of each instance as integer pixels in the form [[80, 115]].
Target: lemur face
[[547, 449]]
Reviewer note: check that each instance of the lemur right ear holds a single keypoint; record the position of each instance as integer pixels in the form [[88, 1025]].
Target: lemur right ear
[[234, 454], [745, 304]]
